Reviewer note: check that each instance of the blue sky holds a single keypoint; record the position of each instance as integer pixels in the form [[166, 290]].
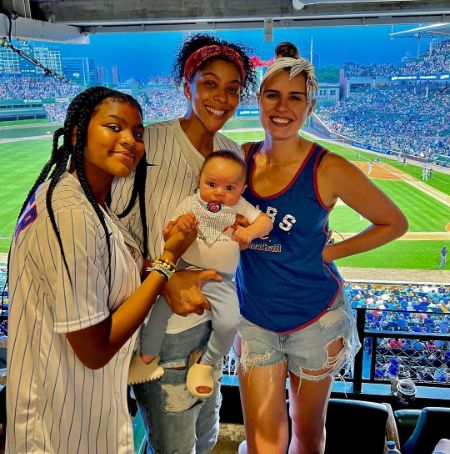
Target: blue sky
[[144, 54]]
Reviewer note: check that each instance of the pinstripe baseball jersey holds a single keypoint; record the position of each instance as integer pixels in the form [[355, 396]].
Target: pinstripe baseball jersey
[[54, 402], [171, 178]]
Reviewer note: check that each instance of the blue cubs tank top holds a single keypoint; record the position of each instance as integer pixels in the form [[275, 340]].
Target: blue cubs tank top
[[283, 283]]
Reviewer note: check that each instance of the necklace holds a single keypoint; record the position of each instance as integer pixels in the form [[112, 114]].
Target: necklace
[[273, 164]]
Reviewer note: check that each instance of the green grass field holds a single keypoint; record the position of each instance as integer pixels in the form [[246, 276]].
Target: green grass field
[[21, 162]]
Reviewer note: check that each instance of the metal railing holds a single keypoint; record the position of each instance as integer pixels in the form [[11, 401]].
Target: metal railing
[[422, 356]]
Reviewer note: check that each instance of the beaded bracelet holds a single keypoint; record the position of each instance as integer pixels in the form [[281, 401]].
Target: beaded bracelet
[[163, 266], [167, 263], [162, 270]]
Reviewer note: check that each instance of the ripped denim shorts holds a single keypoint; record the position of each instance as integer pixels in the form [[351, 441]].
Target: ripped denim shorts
[[305, 349]]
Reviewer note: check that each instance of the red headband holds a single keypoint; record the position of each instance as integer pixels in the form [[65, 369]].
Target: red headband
[[202, 54]]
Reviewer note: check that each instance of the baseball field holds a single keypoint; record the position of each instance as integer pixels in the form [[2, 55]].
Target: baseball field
[[426, 204]]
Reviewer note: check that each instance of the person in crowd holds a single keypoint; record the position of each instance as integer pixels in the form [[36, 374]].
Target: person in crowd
[[76, 301], [295, 319], [214, 206], [215, 75]]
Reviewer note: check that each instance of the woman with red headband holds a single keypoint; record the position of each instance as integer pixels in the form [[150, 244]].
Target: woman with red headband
[[215, 76]]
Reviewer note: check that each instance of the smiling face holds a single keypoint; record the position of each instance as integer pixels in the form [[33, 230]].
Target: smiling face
[[222, 181], [283, 105], [214, 92], [114, 143]]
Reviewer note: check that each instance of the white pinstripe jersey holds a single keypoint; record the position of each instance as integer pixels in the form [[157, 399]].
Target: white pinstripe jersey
[[55, 404], [173, 177]]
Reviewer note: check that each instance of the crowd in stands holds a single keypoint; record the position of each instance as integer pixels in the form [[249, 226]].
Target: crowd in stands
[[411, 119], [436, 60], [162, 79], [32, 88], [407, 298], [373, 70], [407, 309], [56, 113], [162, 103], [157, 104]]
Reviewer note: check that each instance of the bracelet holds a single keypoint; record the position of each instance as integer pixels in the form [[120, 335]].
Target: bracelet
[[163, 267], [164, 273], [170, 265]]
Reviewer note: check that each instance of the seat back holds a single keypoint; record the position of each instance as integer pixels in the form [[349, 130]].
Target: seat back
[[355, 426], [433, 424], [406, 420]]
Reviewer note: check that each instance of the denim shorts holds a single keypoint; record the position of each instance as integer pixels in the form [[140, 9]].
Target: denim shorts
[[305, 349]]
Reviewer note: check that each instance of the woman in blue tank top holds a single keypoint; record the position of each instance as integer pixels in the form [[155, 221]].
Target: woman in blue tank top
[[296, 322]]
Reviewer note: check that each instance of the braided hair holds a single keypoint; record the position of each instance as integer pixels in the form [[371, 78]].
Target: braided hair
[[74, 133], [192, 44]]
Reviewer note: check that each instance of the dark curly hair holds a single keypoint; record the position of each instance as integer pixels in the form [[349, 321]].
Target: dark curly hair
[[79, 114], [199, 40]]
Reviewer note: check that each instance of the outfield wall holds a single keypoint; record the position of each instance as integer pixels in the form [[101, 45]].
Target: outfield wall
[[23, 131]]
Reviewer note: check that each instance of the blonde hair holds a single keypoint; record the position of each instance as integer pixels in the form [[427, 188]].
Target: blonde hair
[[295, 66]]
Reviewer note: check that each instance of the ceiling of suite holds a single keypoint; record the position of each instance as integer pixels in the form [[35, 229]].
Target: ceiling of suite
[[69, 19]]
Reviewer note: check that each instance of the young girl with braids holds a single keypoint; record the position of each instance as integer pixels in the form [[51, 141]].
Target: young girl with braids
[[215, 74], [76, 303]]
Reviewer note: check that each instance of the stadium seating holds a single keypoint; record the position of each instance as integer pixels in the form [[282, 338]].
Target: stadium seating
[[433, 424]]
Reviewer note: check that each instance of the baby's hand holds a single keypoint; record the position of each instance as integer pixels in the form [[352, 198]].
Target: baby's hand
[[184, 223], [242, 236]]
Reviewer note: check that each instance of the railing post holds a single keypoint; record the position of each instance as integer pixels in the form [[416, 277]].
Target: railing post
[[358, 365]]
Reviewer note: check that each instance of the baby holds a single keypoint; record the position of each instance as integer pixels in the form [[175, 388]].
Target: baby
[[215, 206]]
